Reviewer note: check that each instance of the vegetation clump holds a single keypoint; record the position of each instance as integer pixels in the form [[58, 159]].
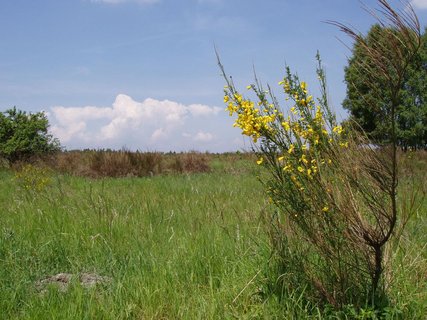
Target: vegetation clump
[[24, 135], [335, 192]]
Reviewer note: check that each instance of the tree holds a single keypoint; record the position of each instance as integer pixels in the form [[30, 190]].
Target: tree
[[412, 113], [23, 135], [369, 102]]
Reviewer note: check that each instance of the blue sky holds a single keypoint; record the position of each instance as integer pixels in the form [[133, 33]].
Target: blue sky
[[142, 74]]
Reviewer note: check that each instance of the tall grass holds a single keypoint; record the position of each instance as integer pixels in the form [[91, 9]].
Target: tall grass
[[175, 246], [109, 163], [124, 163]]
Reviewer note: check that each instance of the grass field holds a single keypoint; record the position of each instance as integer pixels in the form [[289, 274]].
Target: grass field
[[189, 246]]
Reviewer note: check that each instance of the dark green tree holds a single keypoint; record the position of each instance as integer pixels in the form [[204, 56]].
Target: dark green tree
[[23, 135], [412, 113], [369, 102]]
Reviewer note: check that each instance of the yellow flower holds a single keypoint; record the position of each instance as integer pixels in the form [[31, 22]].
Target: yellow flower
[[338, 129], [304, 159], [286, 85], [300, 169], [287, 168], [260, 161], [248, 87], [226, 98], [238, 97], [291, 148], [303, 86], [325, 209], [230, 108], [286, 125]]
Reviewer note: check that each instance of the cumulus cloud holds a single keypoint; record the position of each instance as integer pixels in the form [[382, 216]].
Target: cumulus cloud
[[419, 4], [203, 136], [203, 110], [200, 136], [151, 124], [159, 134]]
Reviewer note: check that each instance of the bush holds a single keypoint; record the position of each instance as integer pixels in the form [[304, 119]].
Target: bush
[[336, 194], [126, 163], [23, 135], [33, 179]]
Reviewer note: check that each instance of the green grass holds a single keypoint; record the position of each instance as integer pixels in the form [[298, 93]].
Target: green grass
[[175, 247]]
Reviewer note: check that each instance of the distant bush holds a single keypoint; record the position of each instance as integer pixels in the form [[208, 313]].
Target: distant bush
[[190, 162], [125, 163], [32, 178], [23, 135]]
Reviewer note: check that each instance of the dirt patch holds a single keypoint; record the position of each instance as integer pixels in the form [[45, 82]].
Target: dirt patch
[[62, 281]]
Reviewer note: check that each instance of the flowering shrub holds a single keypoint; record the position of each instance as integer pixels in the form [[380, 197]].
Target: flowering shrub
[[299, 143], [301, 151], [336, 195], [33, 179]]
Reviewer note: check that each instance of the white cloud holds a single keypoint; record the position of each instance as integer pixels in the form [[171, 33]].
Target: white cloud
[[68, 133], [66, 116], [152, 124], [159, 134], [419, 4], [203, 136], [125, 1], [203, 110], [200, 136]]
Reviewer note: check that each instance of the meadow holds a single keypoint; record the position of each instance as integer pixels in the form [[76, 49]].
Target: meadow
[[177, 245]]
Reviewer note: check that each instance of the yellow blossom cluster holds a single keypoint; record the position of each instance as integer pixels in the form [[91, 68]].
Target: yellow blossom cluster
[[250, 119], [300, 96], [303, 133], [303, 164], [32, 178], [337, 129], [299, 147]]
